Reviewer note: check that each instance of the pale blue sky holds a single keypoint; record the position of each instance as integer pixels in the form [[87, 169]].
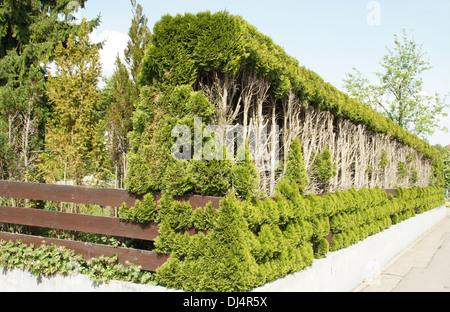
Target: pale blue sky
[[329, 37]]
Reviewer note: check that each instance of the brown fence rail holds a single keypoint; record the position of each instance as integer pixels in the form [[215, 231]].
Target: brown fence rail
[[67, 193], [78, 222], [90, 196]]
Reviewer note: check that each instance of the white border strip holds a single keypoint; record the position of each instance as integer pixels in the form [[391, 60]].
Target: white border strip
[[18, 280]]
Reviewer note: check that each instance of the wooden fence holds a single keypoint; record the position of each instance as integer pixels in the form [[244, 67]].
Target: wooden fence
[[148, 260]]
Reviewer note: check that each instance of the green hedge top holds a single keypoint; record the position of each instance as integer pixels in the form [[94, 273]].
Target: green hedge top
[[185, 46]]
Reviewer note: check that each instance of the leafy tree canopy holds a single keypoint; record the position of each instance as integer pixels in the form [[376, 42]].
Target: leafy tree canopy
[[398, 94]]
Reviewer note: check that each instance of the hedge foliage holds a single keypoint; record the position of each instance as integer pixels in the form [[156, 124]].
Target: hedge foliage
[[151, 165], [185, 46], [248, 243], [364, 218], [296, 168], [182, 49]]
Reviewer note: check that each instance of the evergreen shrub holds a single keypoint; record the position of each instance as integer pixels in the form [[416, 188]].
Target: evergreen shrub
[[248, 243]]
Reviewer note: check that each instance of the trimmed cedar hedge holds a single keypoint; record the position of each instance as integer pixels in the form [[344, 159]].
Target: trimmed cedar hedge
[[184, 46], [247, 242]]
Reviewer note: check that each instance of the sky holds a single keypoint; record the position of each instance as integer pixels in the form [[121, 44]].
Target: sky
[[329, 37]]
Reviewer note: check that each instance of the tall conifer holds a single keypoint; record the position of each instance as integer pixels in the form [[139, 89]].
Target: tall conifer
[[29, 33], [74, 133], [122, 93]]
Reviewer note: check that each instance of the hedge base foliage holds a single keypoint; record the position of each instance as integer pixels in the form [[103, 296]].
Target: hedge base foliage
[[248, 243]]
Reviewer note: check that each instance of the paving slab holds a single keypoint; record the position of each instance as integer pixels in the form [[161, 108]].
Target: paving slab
[[422, 267]]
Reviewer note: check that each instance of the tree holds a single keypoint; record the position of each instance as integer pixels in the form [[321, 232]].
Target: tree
[[139, 34], [119, 97], [122, 94], [447, 169], [74, 133], [22, 111], [29, 33], [295, 167], [25, 22], [323, 168], [245, 176], [399, 94]]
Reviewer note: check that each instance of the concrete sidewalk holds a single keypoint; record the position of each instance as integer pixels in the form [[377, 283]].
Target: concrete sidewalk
[[423, 267]]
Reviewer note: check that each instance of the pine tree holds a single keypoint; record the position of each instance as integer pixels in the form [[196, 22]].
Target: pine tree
[[22, 111], [119, 99], [74, 132], [37, 21], [139, 34]]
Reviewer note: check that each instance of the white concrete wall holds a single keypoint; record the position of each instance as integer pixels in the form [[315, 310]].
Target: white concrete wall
[[339, 271], [18, 280], [343, 270]]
